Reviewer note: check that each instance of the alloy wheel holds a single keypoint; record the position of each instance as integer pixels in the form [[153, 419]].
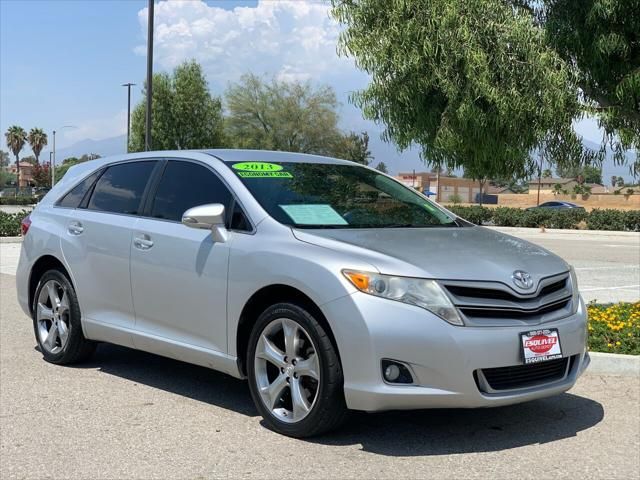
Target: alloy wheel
[[52, 316], [287, 370]]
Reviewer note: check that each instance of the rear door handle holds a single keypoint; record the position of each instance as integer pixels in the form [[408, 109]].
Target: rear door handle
[[75, 228], [142, 242]]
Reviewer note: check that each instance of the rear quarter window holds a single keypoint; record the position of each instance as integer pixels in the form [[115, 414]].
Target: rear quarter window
[[74, 197]]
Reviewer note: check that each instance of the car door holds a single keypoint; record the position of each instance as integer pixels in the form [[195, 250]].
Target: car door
[[179, 274], [97, 247]]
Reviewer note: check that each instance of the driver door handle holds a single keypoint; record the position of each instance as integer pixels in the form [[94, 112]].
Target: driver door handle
[[75, 228], [142, 242]]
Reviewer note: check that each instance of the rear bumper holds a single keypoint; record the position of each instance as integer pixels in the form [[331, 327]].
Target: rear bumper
[[442, 358]]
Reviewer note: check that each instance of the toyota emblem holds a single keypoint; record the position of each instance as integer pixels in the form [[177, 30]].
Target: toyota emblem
[[522, 279]]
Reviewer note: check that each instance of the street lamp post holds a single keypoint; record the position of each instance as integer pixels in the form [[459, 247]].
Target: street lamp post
[[53, 164], [128, 85], [147, 139]]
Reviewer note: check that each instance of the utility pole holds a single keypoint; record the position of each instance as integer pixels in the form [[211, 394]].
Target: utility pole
[[53, 163], [51, 166], [147, 138], [128, 85]]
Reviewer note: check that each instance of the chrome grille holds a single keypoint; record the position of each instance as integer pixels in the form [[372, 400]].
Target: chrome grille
[[497, 304]]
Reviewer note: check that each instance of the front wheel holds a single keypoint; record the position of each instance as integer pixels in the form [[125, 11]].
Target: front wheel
[[294, 372]]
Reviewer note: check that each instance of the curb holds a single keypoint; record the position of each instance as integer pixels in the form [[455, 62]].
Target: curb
[[10, 239], [614, 364], [568, 231]]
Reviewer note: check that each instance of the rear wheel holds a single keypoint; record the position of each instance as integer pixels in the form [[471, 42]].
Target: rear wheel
[[56, 321], [294, 372]]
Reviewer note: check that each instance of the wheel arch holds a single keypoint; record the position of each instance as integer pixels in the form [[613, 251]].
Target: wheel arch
[[43, 264], [264, 298]]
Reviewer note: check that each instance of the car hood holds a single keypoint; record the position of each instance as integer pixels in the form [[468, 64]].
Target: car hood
[[464, 253]]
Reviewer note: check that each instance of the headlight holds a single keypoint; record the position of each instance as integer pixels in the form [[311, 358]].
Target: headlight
[[575, 293], [423, 293]]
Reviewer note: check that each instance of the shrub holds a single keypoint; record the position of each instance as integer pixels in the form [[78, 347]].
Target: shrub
[[455, 199], [632, 220], [607, 220], [10, 223], [474, 214], [507, 216], [21, 200]]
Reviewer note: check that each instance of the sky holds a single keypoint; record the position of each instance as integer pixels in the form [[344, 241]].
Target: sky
[[62, 62]]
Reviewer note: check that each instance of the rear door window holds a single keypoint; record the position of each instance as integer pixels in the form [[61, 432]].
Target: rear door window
[[120, 189], [185, 185]]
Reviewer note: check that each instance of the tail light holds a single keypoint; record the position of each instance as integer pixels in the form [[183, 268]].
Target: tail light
[[25, 224]]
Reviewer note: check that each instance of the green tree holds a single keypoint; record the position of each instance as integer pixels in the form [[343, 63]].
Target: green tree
[[589, 173], [66, 164], [600, 41], [353, 146], [41, 175], [185, 114], [4, 159], [29, 159], [547, 173], [16, 137], [382, 167], [472, 83], [37, 140], [287, 116], [6, 178]]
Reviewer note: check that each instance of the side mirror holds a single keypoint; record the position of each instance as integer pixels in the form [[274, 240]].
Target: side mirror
[[207, 217]]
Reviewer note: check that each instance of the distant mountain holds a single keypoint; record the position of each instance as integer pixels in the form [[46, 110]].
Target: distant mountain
[[104, 147]]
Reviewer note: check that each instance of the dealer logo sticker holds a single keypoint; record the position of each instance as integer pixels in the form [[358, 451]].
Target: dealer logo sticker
[[540, 345]]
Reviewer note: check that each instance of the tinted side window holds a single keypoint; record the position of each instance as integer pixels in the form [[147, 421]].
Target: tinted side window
[[75, 196], [120, 188], [185, 185]]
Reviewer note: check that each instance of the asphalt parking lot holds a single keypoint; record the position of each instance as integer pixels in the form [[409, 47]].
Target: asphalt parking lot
[[129, 414]]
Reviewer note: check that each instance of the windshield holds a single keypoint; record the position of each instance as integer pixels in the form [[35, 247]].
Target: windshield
[[311, 195]]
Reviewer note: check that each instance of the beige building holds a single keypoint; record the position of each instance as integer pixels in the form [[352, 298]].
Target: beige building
[[26, 173], [443, 188]]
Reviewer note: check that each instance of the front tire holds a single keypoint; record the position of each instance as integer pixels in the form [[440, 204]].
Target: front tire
[[295, 376], [56, 321]]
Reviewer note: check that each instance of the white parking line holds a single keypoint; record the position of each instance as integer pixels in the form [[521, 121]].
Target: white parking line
[[622, 267], [609, 288]]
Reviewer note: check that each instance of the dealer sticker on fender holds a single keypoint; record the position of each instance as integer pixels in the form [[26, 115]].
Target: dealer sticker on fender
[[540, 345]]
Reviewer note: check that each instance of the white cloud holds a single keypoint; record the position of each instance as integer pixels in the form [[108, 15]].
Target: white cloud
[[287, 39]]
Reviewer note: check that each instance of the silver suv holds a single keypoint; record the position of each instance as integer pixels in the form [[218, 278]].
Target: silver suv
[[329, 285]]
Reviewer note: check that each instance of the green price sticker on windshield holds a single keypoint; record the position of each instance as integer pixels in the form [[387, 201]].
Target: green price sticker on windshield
[[257, 167], [260, 170]]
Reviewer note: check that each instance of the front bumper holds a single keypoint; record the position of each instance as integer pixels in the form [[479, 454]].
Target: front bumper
[[442, 357]]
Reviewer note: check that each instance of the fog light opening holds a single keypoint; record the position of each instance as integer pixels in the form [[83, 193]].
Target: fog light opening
[[396, 372]]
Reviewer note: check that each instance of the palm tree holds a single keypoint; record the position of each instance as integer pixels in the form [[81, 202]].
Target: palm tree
[[38, 140], [16, 138]]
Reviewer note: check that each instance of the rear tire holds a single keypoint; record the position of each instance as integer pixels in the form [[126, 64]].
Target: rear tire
[[295, 376], [56, 321]]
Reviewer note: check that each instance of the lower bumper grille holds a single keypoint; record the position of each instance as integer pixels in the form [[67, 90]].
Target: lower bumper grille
[[522, 376]]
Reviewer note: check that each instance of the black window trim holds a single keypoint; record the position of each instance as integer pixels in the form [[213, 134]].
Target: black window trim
[[153, 185]]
